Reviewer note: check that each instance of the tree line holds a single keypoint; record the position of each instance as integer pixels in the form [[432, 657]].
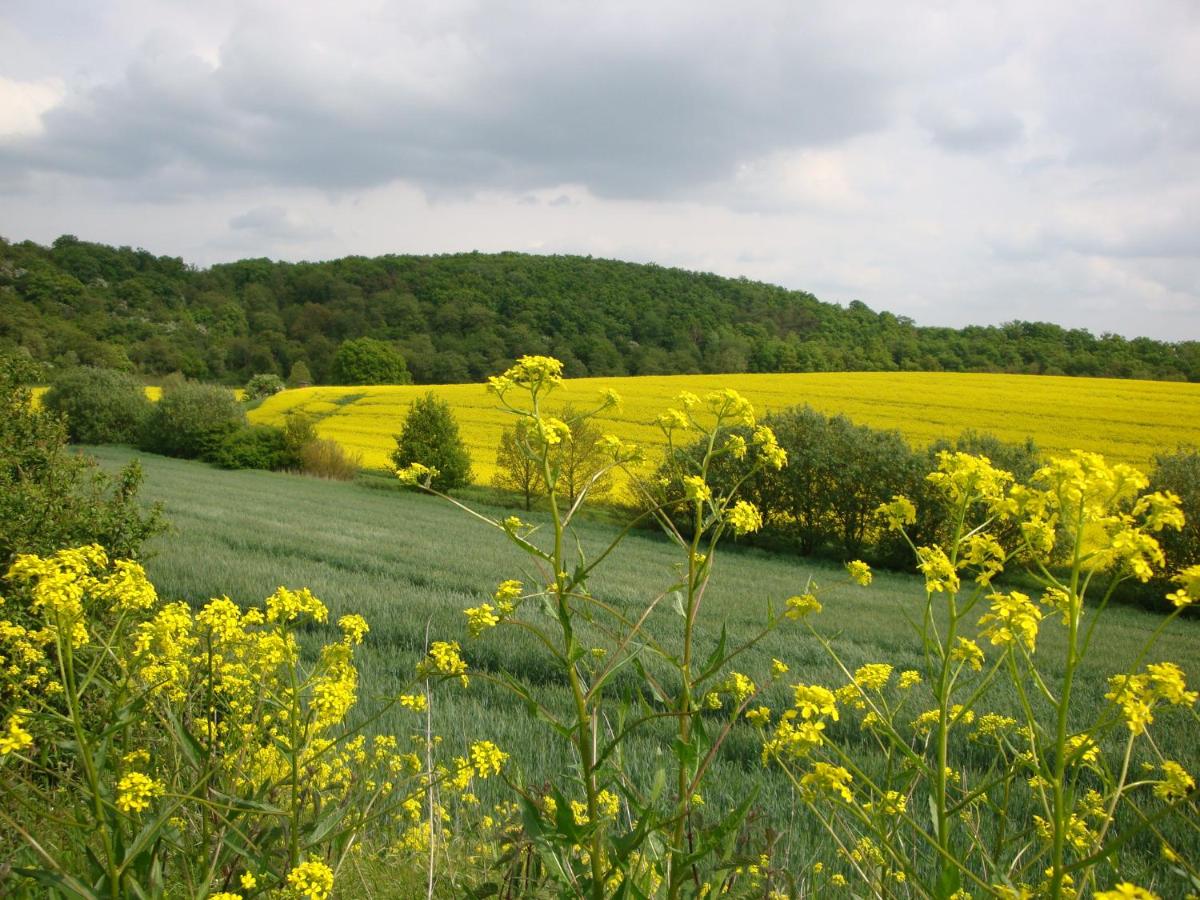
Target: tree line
[[458, 317]]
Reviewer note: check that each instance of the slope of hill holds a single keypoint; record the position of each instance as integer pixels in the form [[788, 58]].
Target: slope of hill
[[1128, 421], [460, 317]]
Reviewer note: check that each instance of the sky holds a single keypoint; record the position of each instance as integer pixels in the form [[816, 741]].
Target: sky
[[957, 163]]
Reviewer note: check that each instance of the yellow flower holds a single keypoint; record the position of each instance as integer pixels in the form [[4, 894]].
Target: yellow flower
[[938, 570], [444, 659], [480, 618], [15, 738], [354, 627], [898, 513], [744, 517], [740, 686], [969, 652], [813, 700], [860, 572], [1176, 782], [801, 606], [778, 668], [417, 474], [695, 489], [1126, 891], [415, 702], [1189, 587], [872, 676], [760, 716], [1013, 618], [135, 790], [248, 881], [487, 758], [311, 880], [225, 895], [285, 606], [909, 678], [831, 779]]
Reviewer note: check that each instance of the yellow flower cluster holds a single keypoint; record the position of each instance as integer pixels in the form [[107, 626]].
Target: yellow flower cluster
[[444, 659], [15, 738], [532, 373], [1176, 782], [800, 606], [1013, 619], [311, 880], [135, 790], [1137, 695], [859, 571], [830, 779], [744, 518]]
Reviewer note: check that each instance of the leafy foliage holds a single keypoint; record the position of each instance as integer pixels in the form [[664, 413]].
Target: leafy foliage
[[429, 436], [101, 406], [255, 447], [460, 317], [51, 497], [263, 385], [191, 420], [368, 361]]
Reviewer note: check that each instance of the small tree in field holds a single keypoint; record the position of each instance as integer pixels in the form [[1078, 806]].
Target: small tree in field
[[429, 436], [517, 468], [583, 461], [300, 376], [262, 386]]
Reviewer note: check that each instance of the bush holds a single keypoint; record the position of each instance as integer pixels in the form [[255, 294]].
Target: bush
[[52, 498], [300, 376], [102, 406], [368, 361], [324, 458], [255, 447], [191, 420], [261, 386], [1179, 473], [429, 436]]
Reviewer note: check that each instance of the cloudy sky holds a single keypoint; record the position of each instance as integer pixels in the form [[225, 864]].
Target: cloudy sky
[[954, 162]]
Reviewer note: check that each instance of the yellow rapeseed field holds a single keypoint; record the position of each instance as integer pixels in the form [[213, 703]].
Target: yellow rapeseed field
[[1127, 421]]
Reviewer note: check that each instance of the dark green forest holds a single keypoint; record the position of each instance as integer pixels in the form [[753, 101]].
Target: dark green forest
[[459, 317]]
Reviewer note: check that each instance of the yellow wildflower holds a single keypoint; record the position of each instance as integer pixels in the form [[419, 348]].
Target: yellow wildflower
[[801, 606], [487, 758], [860, 572], [481, 618], [744, 518], [14, 737], [1176, 782], [135, 790], [311, 880], [1126, 891]]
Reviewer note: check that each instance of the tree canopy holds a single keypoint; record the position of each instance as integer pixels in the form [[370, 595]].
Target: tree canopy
[[461, 317]]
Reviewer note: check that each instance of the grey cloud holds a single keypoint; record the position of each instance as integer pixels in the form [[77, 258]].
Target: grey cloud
[[276, 224], [530, 105]]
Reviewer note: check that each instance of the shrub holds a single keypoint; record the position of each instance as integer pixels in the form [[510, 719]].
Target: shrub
[[369, 361], [581, 460], [191, 420], [52, 498], [102, 406], [429, 435], [265, 385], [325, 458], [255, 447], [1179, 473], [300, 376]]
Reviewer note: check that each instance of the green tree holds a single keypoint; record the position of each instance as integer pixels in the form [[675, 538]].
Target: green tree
[[191, 420], [429, 435], [101, 406], [369, 361], [50, 497], [300, 376], [517, 468], [582, 462]]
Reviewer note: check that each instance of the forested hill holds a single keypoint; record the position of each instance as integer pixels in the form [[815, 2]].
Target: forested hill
[[463, 316]]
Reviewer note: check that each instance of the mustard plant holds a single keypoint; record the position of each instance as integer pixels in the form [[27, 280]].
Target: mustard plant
[[1058, 801]]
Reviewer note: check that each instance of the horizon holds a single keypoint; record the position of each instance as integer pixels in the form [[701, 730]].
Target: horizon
[[958, 166]]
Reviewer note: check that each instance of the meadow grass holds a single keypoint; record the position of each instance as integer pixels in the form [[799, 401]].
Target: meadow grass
[[1128, 421], [410, 564]]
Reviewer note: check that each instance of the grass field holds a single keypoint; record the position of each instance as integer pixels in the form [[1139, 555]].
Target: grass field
[[1127, 421], [410, 563]]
